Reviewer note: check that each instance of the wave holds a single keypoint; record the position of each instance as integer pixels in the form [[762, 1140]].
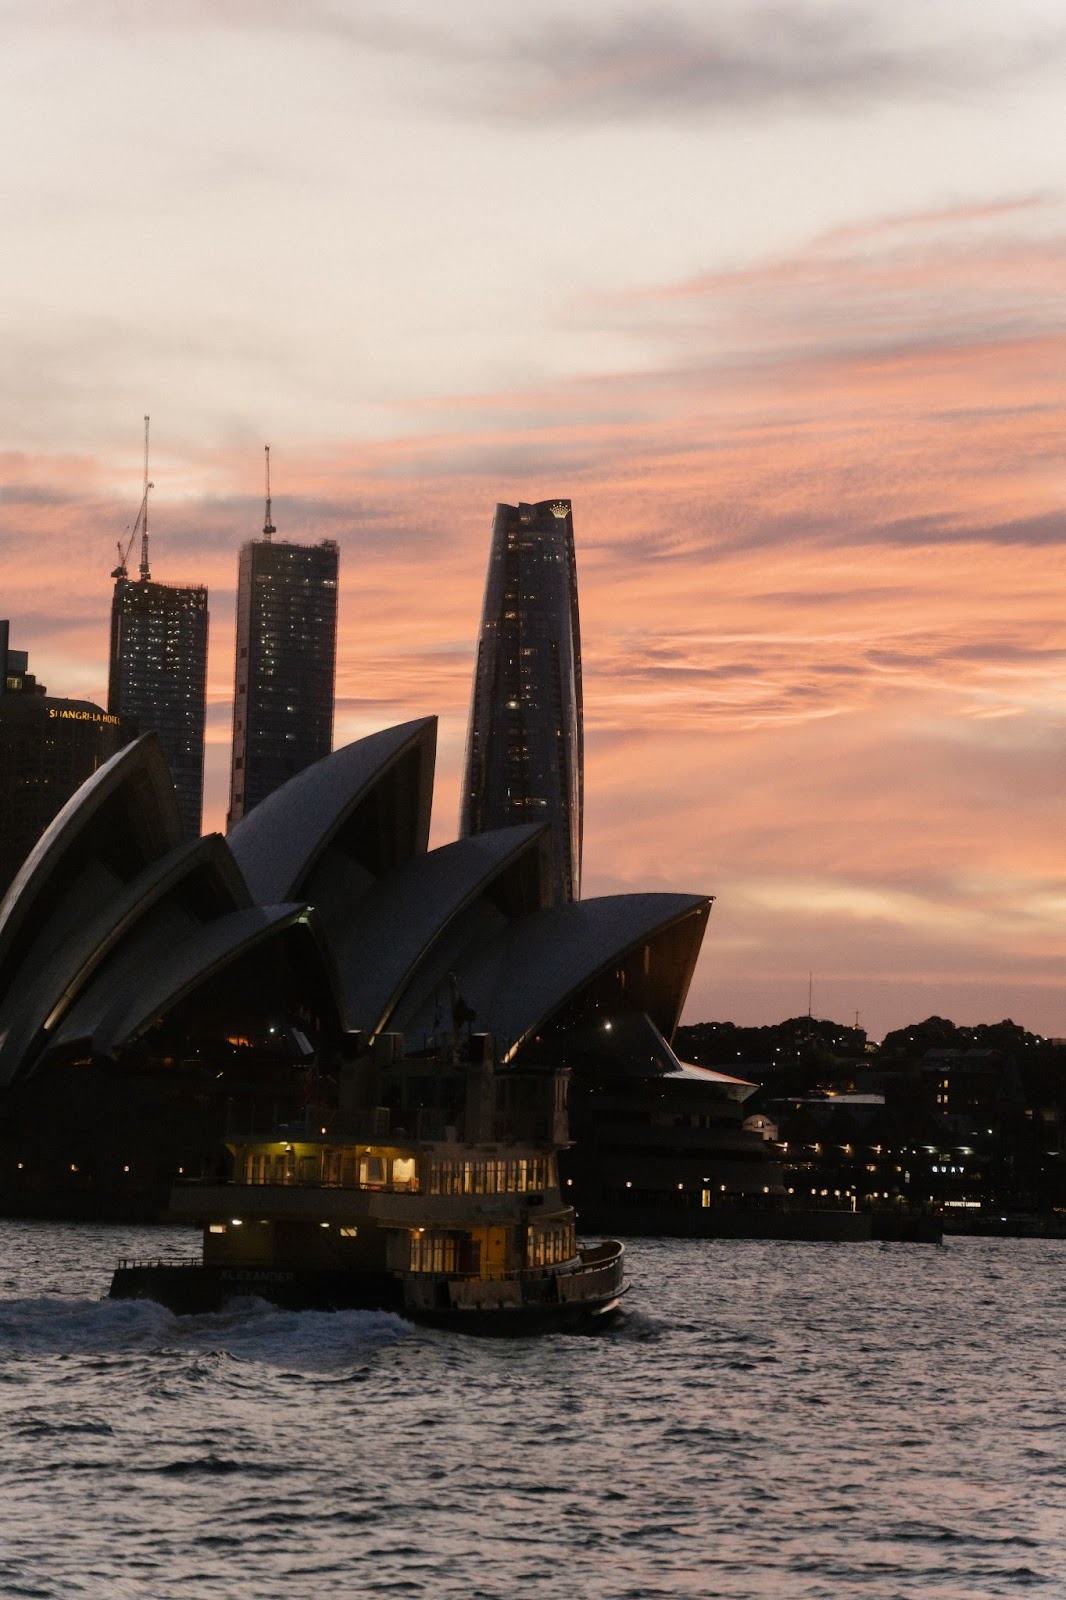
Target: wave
[[248, 1330]]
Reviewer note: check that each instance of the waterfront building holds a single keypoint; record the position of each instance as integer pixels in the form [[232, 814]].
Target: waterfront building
[[285, 666], [524, 754], [48, 747], [158, 677], [146, 982]]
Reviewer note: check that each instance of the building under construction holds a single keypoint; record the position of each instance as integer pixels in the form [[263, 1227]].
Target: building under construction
[[158, 673]]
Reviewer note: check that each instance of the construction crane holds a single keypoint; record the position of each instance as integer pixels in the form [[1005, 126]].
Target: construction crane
[[268, 526], [141, 522]]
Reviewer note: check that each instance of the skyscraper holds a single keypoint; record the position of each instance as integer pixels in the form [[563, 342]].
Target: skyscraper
[[48, 747], [158, 677], [525, 750], [286, 663]]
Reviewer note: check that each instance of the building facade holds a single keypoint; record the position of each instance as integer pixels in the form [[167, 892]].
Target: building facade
[[48, 747], [525, 754], [285, 668], [158, 678]]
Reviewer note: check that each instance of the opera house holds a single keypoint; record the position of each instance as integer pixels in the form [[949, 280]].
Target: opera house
[[152, 987]]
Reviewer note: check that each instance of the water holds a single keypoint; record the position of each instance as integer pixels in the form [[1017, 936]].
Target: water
[[770, 1420]]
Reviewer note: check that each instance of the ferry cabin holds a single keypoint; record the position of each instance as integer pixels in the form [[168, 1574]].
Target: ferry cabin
[[441, 1209]]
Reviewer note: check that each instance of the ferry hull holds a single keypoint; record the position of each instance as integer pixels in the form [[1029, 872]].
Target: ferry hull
[[196, 1289]]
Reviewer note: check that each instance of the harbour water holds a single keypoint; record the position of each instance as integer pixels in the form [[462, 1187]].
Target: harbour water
[[769, 1420]]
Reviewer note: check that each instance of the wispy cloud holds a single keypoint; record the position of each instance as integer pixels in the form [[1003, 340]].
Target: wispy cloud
[[623, 62], [675, 62]]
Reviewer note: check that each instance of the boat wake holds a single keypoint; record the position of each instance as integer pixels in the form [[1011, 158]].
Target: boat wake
[[247, 1330]]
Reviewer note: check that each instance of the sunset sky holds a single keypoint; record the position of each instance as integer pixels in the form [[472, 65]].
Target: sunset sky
[[775, 293]]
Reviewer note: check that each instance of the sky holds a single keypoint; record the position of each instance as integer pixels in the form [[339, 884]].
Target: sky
[[773, 292]]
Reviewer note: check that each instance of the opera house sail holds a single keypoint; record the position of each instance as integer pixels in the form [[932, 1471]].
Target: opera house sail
[[524, 756]]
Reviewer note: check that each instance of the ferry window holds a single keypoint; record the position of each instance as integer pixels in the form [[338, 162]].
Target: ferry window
[[349, 1233], [372, 1170], [433, 1252], [216, 1227], [403, 1170]]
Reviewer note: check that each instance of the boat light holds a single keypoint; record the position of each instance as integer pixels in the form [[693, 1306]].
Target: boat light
[[237, 1223]]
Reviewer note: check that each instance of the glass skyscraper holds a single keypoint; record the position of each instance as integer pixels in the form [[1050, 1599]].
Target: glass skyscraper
[[286, 664], [158, 677], [525, 752]]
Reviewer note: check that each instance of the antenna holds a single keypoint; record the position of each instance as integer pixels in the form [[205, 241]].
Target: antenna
[[145, 573], [268, 526]]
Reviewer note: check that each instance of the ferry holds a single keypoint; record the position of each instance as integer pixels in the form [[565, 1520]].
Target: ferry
[[458, 1225]]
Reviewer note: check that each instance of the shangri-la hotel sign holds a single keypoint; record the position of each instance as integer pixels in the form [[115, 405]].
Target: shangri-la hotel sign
[[57, 713]]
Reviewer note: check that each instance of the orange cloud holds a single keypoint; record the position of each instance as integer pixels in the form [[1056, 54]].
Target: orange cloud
[[820, 570]]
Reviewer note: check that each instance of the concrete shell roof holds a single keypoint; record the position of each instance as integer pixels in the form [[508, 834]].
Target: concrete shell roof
[[116, 1009], [406, 912], [279, 842], [518, 982], [138, 780], [55, 985]]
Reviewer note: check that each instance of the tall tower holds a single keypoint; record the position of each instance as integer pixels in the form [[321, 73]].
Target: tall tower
[[525, 745], [158, 673], [286, 662]]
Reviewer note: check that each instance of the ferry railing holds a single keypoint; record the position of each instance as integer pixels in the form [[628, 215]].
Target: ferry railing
[[295, 1182], [594, 1259], [126, 1262]]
